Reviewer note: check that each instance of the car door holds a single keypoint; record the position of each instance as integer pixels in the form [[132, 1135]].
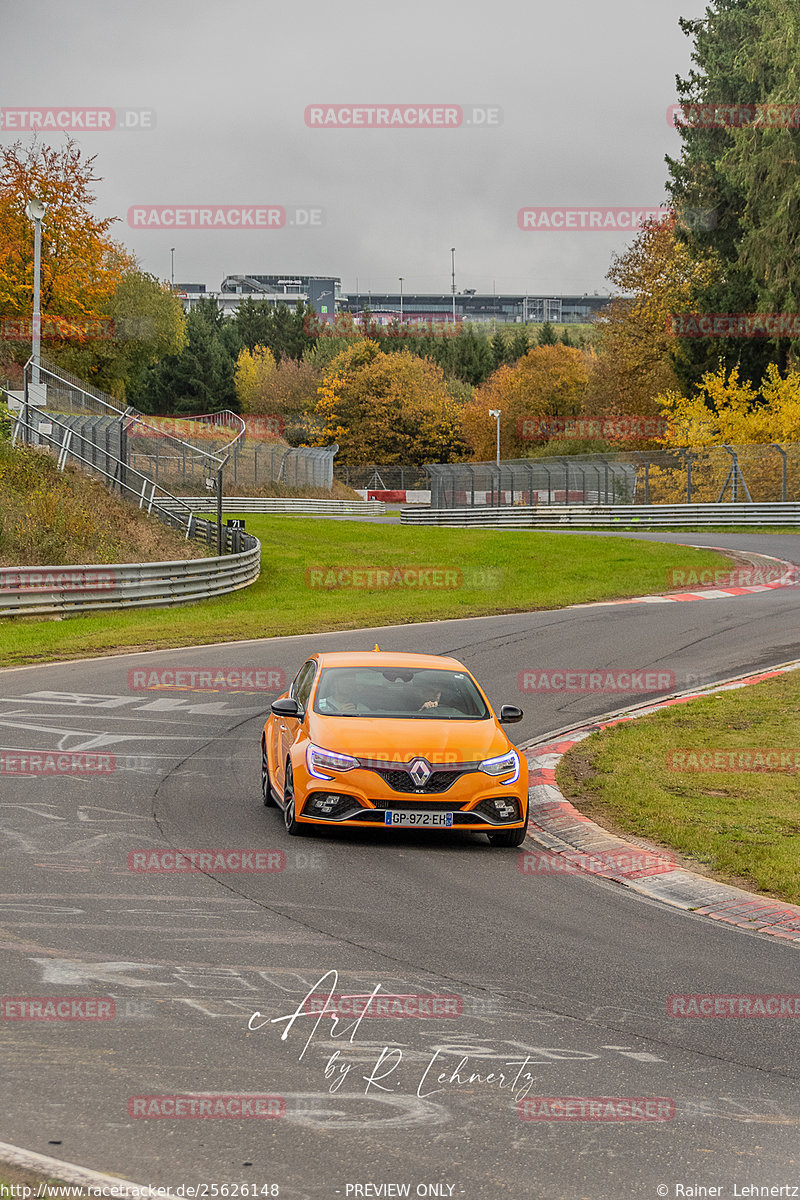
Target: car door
[[287, 728]]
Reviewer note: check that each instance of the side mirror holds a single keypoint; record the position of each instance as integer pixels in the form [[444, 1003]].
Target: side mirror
[[285, 707], [509, 714]]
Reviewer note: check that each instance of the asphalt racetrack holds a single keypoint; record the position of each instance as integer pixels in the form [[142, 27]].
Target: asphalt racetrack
[[555, 985]]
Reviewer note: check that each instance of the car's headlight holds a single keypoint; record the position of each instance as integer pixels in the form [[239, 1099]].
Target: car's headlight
[[318, 761], [502, 765]]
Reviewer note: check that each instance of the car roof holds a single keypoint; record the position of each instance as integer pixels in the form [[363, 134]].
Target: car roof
[[387, 658]]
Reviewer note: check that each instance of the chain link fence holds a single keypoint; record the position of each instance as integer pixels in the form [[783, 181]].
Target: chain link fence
[[384, 478], [107, 433], [711, 475]]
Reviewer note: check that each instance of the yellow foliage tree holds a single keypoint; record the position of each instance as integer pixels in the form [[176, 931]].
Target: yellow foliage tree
[[251, 377], [387, 408], [726, 410]]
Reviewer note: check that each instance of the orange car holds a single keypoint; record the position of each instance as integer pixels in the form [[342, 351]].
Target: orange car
[[398, 740]]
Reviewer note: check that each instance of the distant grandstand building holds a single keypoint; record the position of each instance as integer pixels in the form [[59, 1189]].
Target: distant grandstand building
[[324, 294]]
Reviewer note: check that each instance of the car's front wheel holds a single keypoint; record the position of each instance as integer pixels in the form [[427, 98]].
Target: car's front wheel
[[267, 794], [510, 837], [293, 826]]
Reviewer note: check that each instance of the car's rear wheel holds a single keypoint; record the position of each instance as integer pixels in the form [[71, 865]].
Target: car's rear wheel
[[293, 826], [267, 794], [510, 837]]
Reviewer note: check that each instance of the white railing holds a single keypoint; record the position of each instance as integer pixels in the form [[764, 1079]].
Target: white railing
[[37, 591], [611, 516], [280, 504]]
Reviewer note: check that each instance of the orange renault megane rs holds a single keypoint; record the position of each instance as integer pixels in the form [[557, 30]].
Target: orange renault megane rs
[[396, 740]]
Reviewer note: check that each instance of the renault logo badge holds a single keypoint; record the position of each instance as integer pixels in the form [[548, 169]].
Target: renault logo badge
[[419, 771]]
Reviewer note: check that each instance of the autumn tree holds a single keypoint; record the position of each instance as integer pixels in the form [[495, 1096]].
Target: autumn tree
[[251, 377], [387, 408], [289, 391], [81, 267], [547, 381], [146, 322], [725, 408], [636, 349]]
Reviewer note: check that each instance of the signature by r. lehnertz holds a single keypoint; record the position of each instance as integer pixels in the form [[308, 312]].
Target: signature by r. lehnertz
[[385, 1074]]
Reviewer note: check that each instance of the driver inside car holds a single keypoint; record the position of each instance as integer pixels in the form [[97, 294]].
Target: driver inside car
[[338, 700]]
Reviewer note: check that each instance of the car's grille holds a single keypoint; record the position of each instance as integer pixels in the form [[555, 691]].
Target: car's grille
[[371, 817], [438, 781], [396, 803]]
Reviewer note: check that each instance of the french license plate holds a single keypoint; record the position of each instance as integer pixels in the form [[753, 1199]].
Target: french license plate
[[419, 817]]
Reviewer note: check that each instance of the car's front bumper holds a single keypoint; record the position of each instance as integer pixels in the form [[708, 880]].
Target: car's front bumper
[[371, 798]]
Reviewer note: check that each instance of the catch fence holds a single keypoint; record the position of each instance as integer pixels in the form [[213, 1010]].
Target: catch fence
[[764, 473]]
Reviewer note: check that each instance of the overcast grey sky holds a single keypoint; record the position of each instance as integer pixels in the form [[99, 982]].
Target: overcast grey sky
[[583, 86]]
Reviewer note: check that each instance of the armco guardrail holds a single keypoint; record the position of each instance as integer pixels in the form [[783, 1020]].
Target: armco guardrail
[[279, 504], [39, 591], [611, 516]]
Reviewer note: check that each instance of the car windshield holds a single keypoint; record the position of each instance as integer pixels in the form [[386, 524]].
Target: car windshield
[[424, 693]]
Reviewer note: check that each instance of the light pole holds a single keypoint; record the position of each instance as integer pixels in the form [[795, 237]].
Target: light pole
[[453, 277], [34, 211], [172, 266], [496, 413], [400, 277]]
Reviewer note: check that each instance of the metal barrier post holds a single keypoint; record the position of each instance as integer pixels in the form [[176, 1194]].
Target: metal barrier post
[[782, 453], [219, 511]]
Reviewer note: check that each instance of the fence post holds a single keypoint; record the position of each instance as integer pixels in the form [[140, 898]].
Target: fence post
[[782, 452], [219, 511], [736, 475]]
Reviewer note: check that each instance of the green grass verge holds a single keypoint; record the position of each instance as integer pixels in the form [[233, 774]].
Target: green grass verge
[[644, 527], [501, 572], [741, 826]]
